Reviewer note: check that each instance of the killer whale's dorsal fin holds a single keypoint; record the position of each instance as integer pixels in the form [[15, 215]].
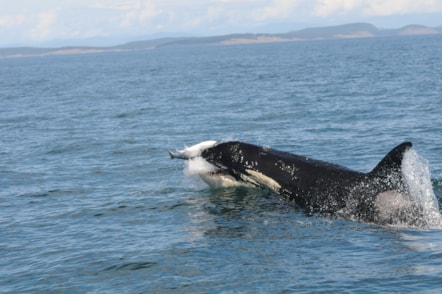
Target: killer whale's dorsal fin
[[392, 161]]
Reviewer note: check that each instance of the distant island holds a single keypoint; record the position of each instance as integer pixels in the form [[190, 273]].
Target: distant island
[[353, 30]]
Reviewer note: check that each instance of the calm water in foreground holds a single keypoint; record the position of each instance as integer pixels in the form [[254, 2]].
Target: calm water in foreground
[[91, 203]]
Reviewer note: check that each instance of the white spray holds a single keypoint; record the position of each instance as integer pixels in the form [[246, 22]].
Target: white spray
[[417, 177], [197, 166]]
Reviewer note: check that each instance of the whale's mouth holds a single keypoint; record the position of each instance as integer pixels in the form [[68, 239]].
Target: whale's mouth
[[222, 179], [213, 176]]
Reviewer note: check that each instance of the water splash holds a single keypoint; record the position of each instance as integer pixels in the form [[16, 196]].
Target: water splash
[[194, 169], [196, 166], [417, 177]]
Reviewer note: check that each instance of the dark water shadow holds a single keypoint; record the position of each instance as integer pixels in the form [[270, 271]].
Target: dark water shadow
[[130, 266]]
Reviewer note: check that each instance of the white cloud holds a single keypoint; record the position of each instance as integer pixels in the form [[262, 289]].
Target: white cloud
[[277, 9], [22, 20], [149, 10], [12, 20], [114, 5], [329, 8], [390, 7], [325, 8], [139, 12], [208, 17], [44, 26]]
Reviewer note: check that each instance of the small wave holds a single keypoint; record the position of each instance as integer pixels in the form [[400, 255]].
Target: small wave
[[44, 193], [131, 266]]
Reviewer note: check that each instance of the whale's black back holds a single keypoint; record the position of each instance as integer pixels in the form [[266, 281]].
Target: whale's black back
[[312, 184]]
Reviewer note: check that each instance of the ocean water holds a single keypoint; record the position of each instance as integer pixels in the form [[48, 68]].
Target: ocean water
[[91, 203]]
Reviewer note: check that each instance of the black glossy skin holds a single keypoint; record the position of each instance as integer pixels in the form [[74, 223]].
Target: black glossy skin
[[314, 185]]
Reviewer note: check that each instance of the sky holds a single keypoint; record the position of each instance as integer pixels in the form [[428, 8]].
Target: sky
[[103, 22]]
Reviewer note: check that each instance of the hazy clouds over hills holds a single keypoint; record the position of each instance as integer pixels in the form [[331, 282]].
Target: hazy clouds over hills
[[355, 30]]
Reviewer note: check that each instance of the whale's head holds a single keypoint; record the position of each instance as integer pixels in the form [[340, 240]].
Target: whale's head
[[214, 176]]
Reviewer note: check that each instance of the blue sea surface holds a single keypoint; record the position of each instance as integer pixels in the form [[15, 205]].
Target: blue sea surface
[[91, 203]]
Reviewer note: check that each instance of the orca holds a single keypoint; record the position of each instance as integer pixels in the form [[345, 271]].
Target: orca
[[314, 185]]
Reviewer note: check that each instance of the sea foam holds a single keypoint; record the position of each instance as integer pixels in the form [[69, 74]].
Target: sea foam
[[417, 177]]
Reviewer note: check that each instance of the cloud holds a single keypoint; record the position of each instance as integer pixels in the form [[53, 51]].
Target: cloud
[[139, 12], [325, 8], [329, 8], [44, 26], [149, 10], [390, 7], [12, 20], [276, 9], [22, 20], [112, 5]]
